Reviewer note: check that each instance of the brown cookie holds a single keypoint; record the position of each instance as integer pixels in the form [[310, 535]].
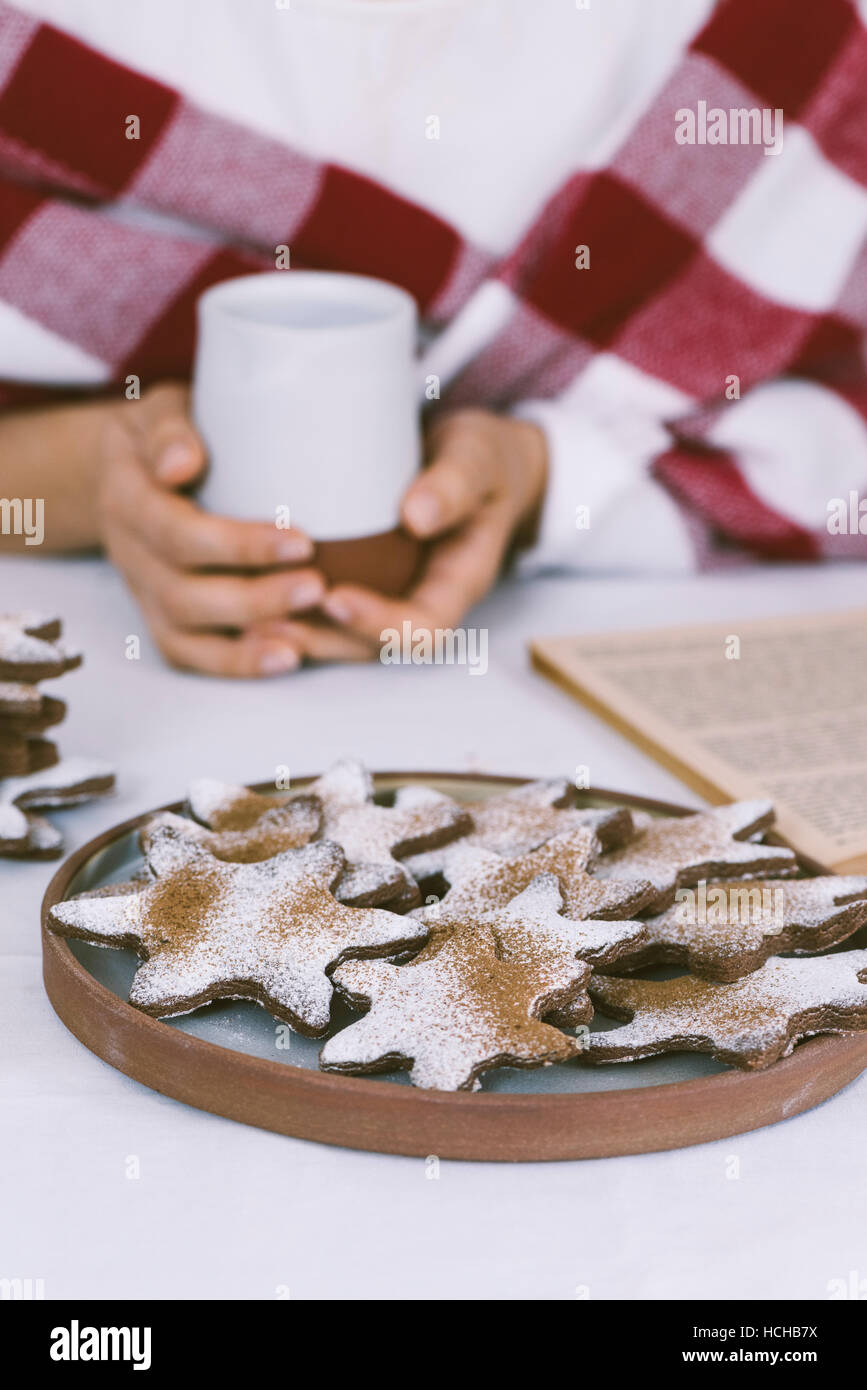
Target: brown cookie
[[240, 825], [361, 885], [210, 929], [480, 882], [120, 887], [722, 931], [233, 809], [70, 782], [473, 1000], [535, 918], [19, 756], [248, 826], [30, 649], [375, 838], [31, 837], [521, 820], [25, 710], [678, 851], [749, 1023], [613, 826]]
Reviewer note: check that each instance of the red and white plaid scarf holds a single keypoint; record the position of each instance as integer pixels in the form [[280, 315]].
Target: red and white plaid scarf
[[656, 297]]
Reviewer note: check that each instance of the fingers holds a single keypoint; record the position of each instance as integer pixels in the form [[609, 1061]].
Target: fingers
[[477, 458], [176, 557], [463, 568], [320, 641], [459, 572], [369, 616], [190, 600], [171, 450], [175, 528], [182, 563], [269, 649], [462, 476], [157, 448], [246, 657]]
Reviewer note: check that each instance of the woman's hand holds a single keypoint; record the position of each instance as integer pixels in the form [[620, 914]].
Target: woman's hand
[[211, 588], [484, 482], [483, 485]]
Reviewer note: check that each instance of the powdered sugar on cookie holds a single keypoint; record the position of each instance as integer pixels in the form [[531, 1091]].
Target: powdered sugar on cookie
[[480, 880], [531, 926], [382, 835], [750, 1022], [70, 782], [456, 1011], [676, 851], [30, 648], [247, 827], [209, 929], [725, 930], [524, 818]]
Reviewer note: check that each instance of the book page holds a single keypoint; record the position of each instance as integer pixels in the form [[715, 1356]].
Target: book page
[[776, 708]]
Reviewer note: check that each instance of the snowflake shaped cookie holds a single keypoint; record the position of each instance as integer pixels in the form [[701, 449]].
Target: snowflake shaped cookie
[[69, 783], [372, 835], [481, 881], [521, 820], [678, 851], [209, 929], [725, 930], [749, 1023], [31, 650], [470, 1002]]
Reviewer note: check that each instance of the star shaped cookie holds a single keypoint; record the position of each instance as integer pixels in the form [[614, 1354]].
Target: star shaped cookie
[[521, 820], [749, 1023], [532, 921], [31, 650], [244, 826], [524, 818], [25, 710], [24, 835], [372, 835], [678, 851], [726, 930], [209, 929], [481, 881], [240, 825], [20, 755], [468, 1003]]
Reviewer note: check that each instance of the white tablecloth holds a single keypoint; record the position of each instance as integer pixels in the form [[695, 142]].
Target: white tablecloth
[[223, 1211]]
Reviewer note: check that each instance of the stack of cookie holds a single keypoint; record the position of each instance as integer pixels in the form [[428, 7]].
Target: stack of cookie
[[30, 651], [483, 935], [31, 773]]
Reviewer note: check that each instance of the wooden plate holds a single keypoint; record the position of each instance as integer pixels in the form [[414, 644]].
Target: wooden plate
[[397, 1118]]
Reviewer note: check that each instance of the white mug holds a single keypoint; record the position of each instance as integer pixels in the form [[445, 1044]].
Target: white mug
[[305, 393]]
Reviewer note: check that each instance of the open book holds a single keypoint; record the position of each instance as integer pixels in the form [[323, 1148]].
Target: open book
[[776, 708]]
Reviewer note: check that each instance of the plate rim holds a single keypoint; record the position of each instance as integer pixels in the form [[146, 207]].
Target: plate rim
[[372, 1114]]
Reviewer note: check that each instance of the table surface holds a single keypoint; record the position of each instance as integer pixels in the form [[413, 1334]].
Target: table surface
[[110, 1190]]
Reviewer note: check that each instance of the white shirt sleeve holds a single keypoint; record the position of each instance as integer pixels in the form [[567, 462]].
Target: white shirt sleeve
[[797, 446], [602, 509]]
